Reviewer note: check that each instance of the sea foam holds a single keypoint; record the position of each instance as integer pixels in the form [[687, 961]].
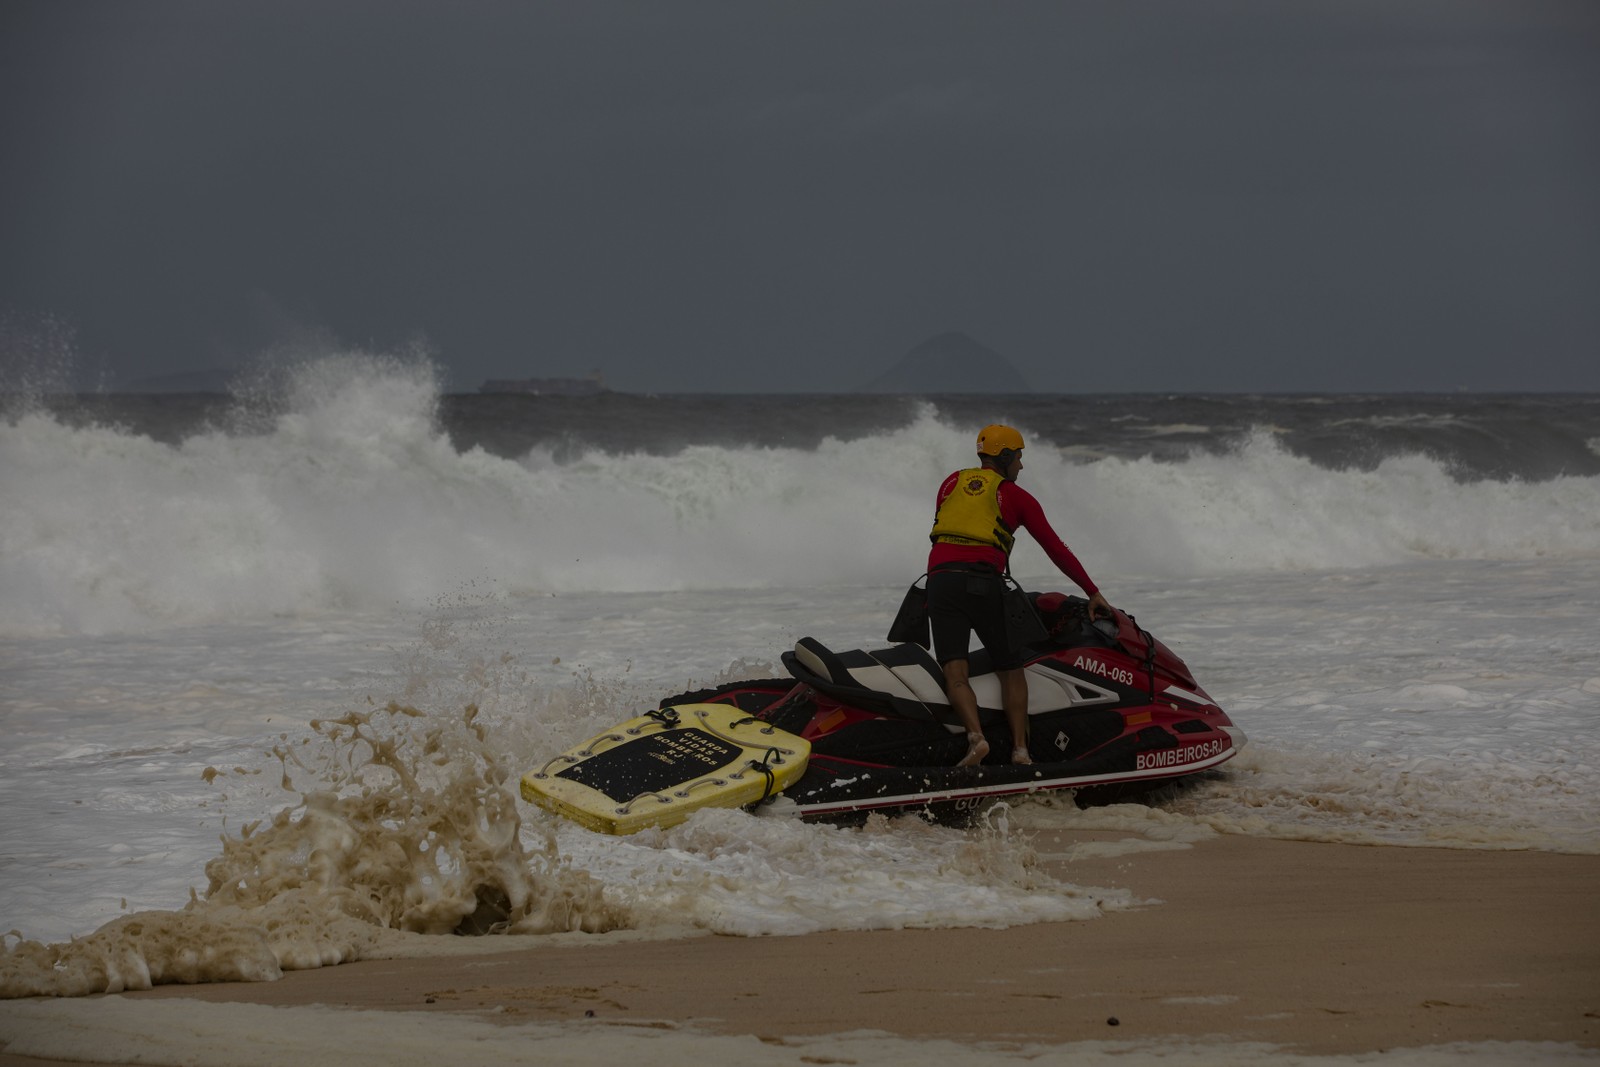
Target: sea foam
[[351, 497]]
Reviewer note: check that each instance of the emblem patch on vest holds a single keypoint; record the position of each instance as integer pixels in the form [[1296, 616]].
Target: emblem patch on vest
[[974, 486]]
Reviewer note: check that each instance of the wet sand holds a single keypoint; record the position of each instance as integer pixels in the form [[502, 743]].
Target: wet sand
[[1319, 948]]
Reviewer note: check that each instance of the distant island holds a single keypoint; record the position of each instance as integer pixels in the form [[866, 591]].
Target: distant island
[[593, 385], [208, 380], [950, 363]]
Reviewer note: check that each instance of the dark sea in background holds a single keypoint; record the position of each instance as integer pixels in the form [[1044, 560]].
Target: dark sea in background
[[1504, 436]]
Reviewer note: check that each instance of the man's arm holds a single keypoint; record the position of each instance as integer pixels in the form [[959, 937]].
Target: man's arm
[[1019, 503]]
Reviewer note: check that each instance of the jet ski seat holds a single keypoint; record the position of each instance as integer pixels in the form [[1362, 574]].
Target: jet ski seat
[[905, 677], [906, 682]]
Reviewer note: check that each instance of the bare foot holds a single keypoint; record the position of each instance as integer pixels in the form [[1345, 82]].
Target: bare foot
[[977, 748], [1020, 755]]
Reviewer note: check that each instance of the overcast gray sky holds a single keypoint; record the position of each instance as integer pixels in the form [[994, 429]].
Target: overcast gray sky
[[1118, 195]]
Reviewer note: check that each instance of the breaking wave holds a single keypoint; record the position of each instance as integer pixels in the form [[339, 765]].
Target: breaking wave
[[348, 495]]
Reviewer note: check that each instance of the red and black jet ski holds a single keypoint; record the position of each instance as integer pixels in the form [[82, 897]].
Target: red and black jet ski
[[1111, 711]]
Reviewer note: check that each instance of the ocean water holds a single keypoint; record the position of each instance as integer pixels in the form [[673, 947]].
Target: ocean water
[[271, 664]]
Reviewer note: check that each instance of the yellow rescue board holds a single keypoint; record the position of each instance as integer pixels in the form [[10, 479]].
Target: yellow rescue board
[[658, 768]]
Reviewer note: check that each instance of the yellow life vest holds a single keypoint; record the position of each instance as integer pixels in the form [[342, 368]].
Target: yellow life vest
[[970, 515]]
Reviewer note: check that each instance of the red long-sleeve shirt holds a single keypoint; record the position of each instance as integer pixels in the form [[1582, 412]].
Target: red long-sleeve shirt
[[1018, 510]]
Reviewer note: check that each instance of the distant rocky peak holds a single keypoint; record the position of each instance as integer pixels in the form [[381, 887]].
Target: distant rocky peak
[[950, 362]]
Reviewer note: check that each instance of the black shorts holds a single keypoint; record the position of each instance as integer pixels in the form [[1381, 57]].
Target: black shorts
[[963, 603]]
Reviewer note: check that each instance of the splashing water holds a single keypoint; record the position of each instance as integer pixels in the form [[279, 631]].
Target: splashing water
[[410, 826], [341, 491], [407, 823]]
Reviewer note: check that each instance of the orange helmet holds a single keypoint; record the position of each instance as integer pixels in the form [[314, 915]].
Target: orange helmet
[[993, 440]]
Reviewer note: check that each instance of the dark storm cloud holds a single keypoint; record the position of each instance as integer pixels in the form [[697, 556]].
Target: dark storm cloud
[[1394, 195]]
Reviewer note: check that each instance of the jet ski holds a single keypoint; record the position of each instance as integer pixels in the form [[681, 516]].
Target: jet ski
[[1111, 711]]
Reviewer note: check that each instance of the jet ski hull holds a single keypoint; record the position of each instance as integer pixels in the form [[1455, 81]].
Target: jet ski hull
[[1110, 712], [1110, 709]]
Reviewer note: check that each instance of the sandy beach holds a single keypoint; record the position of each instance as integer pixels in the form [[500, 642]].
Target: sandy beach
[[1315, 948]]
